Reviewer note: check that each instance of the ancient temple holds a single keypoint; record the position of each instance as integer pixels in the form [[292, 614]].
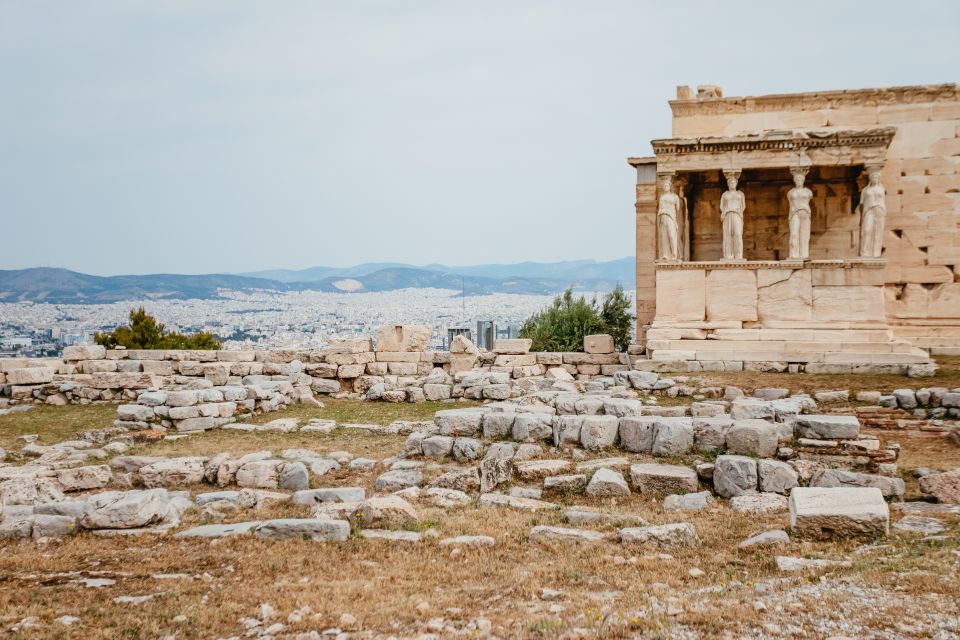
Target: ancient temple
[[813, 231]]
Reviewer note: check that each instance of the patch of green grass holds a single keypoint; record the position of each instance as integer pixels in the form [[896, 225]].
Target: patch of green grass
[[53, 424]]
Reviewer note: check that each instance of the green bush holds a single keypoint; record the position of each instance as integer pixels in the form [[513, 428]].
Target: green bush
[[144, 332], [563, 325]]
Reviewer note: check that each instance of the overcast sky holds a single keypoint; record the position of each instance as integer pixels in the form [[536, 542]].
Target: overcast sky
[[195, 137]]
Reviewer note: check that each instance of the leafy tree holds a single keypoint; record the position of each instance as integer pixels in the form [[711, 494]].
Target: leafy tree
[[144, 332], [563, 325], [616, 317]]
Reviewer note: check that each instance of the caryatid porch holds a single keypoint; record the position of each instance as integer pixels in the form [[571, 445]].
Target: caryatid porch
[[766, 249]]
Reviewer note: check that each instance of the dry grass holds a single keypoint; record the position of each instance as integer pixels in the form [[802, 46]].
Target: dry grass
[[604, 586], [381, 583], [948, 375]]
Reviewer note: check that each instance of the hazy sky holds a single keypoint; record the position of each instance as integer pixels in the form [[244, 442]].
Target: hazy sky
[[228, 136]]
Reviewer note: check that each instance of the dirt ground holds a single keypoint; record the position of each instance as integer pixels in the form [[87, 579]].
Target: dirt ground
[[904, 586]]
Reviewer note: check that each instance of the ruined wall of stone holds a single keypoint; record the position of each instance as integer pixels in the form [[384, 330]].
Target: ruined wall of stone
[[922, 178]]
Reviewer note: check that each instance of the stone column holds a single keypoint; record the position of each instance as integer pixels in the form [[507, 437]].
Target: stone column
[[732, 205], [873, 213], [798, 217], [668, 220]]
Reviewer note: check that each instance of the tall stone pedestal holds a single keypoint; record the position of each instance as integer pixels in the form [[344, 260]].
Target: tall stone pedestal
[[820, 316]]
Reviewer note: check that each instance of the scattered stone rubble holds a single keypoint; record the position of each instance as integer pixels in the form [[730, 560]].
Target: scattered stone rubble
[[762, 450]]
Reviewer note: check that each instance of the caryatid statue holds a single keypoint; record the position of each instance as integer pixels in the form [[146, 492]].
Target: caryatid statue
[[873, 213], [667, 211], [732, 205], [799, 198]]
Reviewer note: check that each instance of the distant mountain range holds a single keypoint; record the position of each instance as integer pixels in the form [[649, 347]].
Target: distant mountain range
[[63, 286]]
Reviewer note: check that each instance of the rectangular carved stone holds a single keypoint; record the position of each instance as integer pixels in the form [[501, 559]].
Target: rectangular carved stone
[[681, 295], [731, 294], [599, 343], [838, 512], [784, 294]]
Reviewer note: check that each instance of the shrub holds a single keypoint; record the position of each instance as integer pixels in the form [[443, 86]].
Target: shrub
[[144, 332], [563, 325]]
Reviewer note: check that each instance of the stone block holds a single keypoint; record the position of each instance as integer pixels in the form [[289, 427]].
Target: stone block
[[663, 479], [598, 343], [33, 375], [848, 304], [776, 476], [827, 427], [753, 438], [945, 487], [784, 294], [673, 436], [710, 433], [681, 295], [513, 346], [731, 294], [349, 345], [839, 512], [408, 337], [734, 475], [889, 487], [84, 352], [598, 432]]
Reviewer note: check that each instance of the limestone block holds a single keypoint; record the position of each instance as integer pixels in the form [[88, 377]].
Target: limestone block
[[540, 469], [776, 476], [598, 432], [462, 344], [827, 427], [678, 534], [349, 345], [607, 482], [315, 529], [784, 294], [681, 295], [848, 304], [154, 367], [123, 381], [731, 294], [33, 375], [82, 478], [598, 343], [566, 429], [710, 433], [515, 360], [838, 512], [458, 422], [408, 337], [462, 362], [662, 479], [734, 475], [532, 427], [889, 487], [672, 436], [945, 487], [753, 438], [350, 371], [97, 366], [513, 346], [84, 352]]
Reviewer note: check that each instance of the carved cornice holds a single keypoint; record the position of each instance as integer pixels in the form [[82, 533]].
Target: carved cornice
[[816, 100], [776, 141], [704, 265]]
